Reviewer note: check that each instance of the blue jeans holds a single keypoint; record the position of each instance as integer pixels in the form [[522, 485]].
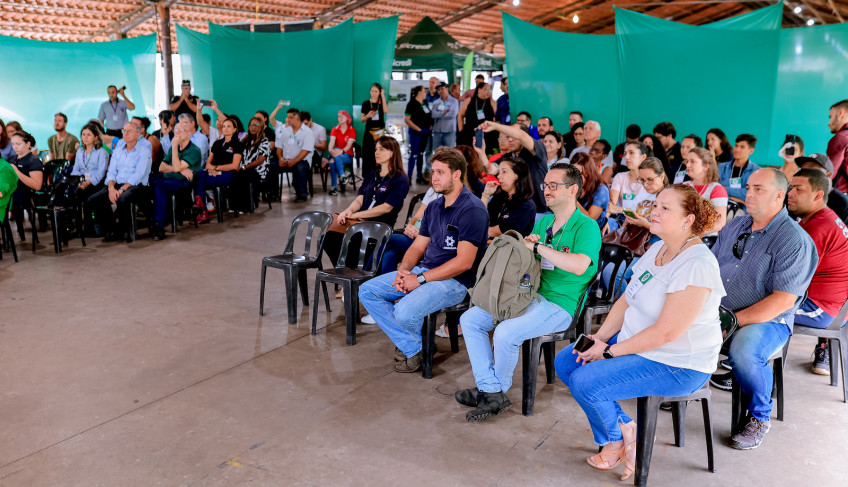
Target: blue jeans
[[395, 250], [443, 139], [493, 370], [402, 320], [417, 140], [162, 188], [750, 349], [809, 314], [597, 386], [337, 167], [301, 175], [204, 180]]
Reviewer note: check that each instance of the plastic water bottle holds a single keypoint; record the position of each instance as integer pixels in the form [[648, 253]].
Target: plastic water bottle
[[525, 282]]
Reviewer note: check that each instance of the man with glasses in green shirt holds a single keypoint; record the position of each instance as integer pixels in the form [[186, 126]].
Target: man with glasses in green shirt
[[568, 244]]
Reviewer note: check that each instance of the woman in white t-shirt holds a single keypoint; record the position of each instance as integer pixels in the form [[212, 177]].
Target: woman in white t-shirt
[[702, 168], [553, 145], [626, 186], [661, 339]]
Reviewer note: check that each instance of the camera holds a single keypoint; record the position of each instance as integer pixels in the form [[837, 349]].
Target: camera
[[793, 139]]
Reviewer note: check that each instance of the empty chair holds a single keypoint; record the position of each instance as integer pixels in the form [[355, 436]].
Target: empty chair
[[375, 236], [294, 265], [411, 210]]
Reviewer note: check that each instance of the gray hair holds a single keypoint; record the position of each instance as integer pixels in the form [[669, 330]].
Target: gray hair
[[592, 122], [780, 181], [186, 116]]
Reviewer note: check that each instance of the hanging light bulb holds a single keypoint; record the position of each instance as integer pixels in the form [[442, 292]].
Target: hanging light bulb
[[797, 9], [515, 3], [575, 19], [811, 21]]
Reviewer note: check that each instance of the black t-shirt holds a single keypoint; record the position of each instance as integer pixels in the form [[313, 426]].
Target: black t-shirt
[[838, 202], [472, 118], [538, 169], [376, 190], [511, 214], [270, 134], [378, 122], [224, 151], [419, 114], [183, 108], [26, 165]]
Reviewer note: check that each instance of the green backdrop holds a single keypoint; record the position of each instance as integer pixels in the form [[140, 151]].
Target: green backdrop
[[40, 78], [320, 71], [742, 74]]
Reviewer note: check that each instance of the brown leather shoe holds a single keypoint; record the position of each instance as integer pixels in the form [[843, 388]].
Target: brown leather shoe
[[411, 364]]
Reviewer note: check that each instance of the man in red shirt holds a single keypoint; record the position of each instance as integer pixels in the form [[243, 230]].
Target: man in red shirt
[[828, 290], [837, 148]]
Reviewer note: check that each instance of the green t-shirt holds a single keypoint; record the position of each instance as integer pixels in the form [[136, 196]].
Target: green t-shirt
[[60, 150], [8, 184], [190, 155], [580, 235]]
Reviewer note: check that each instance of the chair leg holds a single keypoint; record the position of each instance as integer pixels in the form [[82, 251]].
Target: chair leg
[[350, 318], [81, 224], [262, 291], [587, 322], [778, 386], [530, 351], [219, 204], [842, 348], [737, 410], [678, 418], [548, 350], [304, 290], [326, 295], [54, 227], [315, 303], [647, 409], [452, 323], [291, 294], [708, 433], [174, 213], [428, 345]]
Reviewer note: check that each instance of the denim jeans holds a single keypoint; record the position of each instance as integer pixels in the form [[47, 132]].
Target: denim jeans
[[402, 320], [493, 371], [395, 250], [417, 141], [809, 314], [443, 139], [162, 188], [301, 177], [204, 180], [597, 386], [750, 349], [337, 167]]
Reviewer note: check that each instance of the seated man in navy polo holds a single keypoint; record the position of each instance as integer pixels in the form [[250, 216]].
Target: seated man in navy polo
[[452, 239], [767, 262]]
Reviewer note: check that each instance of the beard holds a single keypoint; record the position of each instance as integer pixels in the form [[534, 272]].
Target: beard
[[447, 188]]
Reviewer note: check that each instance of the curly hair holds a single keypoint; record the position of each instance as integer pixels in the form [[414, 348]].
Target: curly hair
[[692, 203]]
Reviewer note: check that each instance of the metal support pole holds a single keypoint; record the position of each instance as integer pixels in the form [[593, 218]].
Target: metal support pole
[[165, 44]]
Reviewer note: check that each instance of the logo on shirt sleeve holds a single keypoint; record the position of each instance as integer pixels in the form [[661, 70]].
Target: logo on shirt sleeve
[[450, 243]]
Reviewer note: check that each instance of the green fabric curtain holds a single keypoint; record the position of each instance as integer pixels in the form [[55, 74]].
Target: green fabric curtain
[[321, 71], [581, 73], [40, 78]]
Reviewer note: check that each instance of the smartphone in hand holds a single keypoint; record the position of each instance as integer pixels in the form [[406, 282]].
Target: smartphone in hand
[[478, 138], [629, 213], [205, 103], [583, 343]]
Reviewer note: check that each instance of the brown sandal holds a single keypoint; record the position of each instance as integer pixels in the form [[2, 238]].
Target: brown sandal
[[601, 460], [629, 454]]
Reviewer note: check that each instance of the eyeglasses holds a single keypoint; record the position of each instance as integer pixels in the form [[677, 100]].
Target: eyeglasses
[[743, 239], [642, 181], [254, 124], [553, 186], [503, 138]]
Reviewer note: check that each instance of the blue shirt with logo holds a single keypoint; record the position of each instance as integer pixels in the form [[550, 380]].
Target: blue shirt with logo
[[392, 190], [466, 220]]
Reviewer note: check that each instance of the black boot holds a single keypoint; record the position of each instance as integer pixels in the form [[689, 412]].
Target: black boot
[[468, 397], [488, 404]]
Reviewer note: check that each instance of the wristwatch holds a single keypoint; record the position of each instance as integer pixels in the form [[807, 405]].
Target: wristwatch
[[421, 278], [607, 353], [536, 248]]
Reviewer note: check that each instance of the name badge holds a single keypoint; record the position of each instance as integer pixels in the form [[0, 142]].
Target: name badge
[[546, 265], [679, 177], [115, 117], [735, 182], [507, 118], [426, 109], [292, 140], [628, 196], [637, 284], [480, 115]]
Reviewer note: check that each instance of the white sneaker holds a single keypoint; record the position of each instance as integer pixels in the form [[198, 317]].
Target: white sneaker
[[443, 332], [368, 320]]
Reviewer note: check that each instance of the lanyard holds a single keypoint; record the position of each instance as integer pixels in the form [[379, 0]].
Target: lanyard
[[85, 160], [550, 232]]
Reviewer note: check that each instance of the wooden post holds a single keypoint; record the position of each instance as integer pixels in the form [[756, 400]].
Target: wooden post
[[165, 45]]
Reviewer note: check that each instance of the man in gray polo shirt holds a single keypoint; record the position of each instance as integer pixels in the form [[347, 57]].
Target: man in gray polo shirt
[[444, 110], [113, 112], [295, 144], [767, 262]]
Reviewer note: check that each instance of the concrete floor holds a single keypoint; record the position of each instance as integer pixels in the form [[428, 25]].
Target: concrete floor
[[148, 364]]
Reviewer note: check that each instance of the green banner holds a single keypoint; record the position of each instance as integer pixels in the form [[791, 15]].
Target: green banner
[[466, 71], [42, 78], [373, 50]]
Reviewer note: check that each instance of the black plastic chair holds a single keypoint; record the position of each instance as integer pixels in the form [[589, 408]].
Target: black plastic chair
[[352, 178], [709, 240], [58, 216], [835, 332], [428, 334], [6, 234], [598, 305], [295, 266], [375, 236], [647, 410], [411, 210], [532, 351], [176, 220], [778, 361]]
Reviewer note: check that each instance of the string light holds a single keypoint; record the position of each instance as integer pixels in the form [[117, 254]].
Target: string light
[[575, 19], [797, 10], [515, 3], [811, 21]]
